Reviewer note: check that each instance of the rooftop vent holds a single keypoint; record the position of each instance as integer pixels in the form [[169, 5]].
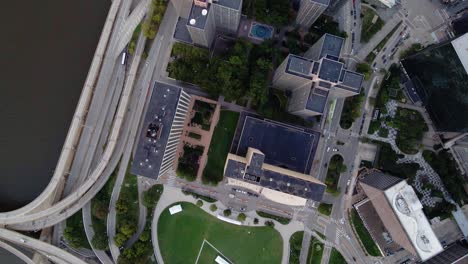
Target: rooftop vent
[[204, 12], [192, 21]]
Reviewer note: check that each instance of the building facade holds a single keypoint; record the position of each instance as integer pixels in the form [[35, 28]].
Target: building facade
[[310, 11], [201, 25], [161, 131]]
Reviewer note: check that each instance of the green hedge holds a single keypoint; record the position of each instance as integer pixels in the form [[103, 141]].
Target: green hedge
[[280, 219]]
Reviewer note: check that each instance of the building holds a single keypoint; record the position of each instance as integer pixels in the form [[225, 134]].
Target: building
[[401, 213], [309, 11], [201, 25], [313, 78], [275, 183], [456, 253], [440, 80], [207, 16], [388, 3], [277, 169], [160, 134]]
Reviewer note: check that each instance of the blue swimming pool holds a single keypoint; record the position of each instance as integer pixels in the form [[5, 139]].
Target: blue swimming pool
[[261, 31]]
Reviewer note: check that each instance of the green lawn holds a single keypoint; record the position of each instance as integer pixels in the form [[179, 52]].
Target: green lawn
[[336, 257], [181, 236], [295, 245], [364, 235], [369, 29], [325, 208], [219, 146], [315, 252]]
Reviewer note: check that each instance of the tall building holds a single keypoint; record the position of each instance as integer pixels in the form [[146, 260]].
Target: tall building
[[388, 3], [437, 78], [207, 16], [161, 131], [201, 25], [400, 211], [313, 78], [309, 11]]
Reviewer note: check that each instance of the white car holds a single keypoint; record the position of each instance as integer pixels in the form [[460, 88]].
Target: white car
[[328, 149], [335, 150]]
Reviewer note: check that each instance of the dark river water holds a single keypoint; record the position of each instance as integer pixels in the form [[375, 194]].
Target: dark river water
[[46, 48]]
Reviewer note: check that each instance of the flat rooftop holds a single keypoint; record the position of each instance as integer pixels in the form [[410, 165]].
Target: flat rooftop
[[352, 80], [299, 66], [196, 16], [273, 177], [285, 146], [460, 45], [331, 46], [408, 209], [317, 100], [155, 130], [330, 70], [323, 2]]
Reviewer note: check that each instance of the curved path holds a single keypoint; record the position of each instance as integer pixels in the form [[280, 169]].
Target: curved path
[[49, 250]]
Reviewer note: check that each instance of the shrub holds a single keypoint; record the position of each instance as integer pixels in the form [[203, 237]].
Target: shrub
[[269, 223], [255, 221], [213, 207], [199, 203], [280, 219], [227, 212], [241, 217]]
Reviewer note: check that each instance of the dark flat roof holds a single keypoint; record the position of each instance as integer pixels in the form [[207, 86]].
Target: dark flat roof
[[181, 32], [330, 70], [283, 145], [277, 181], [155, 131], [299, 66], [317, 100], [380, 180], [196, 13], [332, 46], [352, 79], [235, 4]]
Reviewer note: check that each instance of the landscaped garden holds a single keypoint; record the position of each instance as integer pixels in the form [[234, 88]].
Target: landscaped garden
[[280, 219], [99, 212], [364, 235], [444, 164], [142, 250], [335, 168], [74, 232], [336, 257], [411, 128], [295, 245], [189, 162], [315, 252], [127, 208], [325, 209], [370, 25], [273, 12], [219, 146], [351, 110], [203, 114], [181, 237]]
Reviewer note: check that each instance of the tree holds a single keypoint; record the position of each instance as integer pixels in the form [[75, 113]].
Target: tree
[[152, 195], [241, 217], [255, 221], [127, 229], [213, 207], [269, 223], [227, 212], [199, 203], [120, 239], [121, 206], [100, 210], [100, 241], [365, 69]]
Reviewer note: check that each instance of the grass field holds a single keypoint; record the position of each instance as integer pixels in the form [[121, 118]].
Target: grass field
[[369, 29], [325, 209], [181, 236], [315, 252], [364, 235], [208, 253], [219, 146], [336, 257]]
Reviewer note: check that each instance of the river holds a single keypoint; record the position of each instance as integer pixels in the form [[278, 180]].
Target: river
[[46, 49]]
